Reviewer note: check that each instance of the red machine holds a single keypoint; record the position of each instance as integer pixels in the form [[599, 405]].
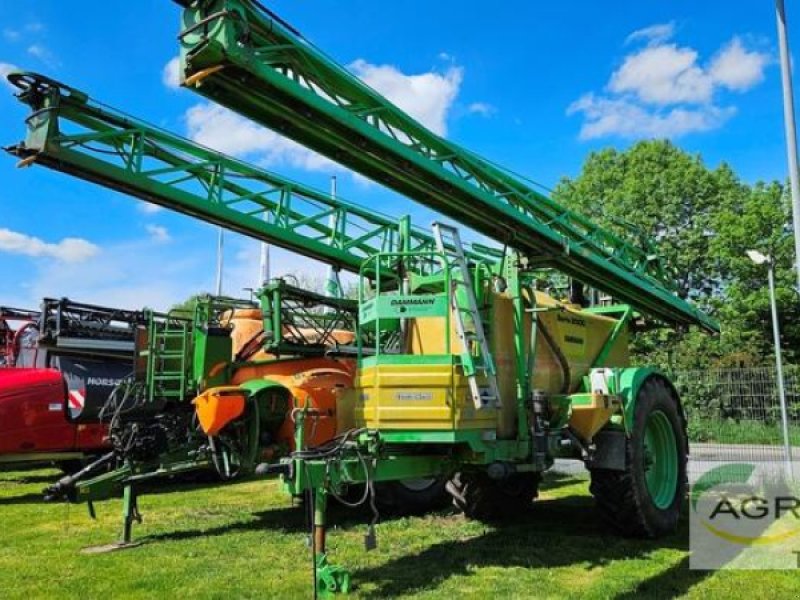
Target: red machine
[[33, 423], [57, 368]]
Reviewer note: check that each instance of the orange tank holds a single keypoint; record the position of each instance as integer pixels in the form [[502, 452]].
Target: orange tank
[[246, 324], [318, 383]]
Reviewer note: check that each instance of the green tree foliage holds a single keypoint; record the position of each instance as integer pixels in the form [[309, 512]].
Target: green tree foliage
[[701, 221], [187, 307]]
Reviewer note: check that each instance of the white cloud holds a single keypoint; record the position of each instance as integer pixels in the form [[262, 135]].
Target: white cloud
[[481, 108], [15, 35], [225, 131], [171, 74], [664, 90], [737, 68], [131, 273], [427, 97], [625, 118], [663, 74], [653, 34], [68, 250], [148, 208], [5, 69], [158, 233], [42, 53]]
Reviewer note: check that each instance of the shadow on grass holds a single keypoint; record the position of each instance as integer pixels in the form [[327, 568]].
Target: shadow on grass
[[29, 498], [30, 479], [670, 583], [289, 519], [286, 519], [182, 483], [171, 485], [555, 533]]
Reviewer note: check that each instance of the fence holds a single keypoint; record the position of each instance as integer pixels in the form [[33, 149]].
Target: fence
[[733, 415]]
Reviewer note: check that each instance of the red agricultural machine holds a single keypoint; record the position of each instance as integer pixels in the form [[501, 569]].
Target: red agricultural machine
[[60, 366]]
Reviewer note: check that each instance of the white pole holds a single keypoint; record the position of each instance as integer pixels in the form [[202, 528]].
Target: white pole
[[332, 280], [263, 271], [791, 133], [776, 334], [220, 258]]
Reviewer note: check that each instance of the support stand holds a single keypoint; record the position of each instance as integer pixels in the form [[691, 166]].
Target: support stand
[[330, 579], [130, 513]]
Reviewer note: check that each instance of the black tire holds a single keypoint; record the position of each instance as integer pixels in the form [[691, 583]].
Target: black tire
[[485, 499], [412, 497], [622, 497]]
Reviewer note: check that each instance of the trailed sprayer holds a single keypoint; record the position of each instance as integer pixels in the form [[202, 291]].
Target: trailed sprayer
[[472, 372], [463, 368]]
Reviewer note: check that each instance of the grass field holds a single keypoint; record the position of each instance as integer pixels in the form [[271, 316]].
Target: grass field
[[244, 540], [742, 432]]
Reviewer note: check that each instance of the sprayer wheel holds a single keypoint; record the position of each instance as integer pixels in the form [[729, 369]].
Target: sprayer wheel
[[412, 496], [482, 498], [645, 500]]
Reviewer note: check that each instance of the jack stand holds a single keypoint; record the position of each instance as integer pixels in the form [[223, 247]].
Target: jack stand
[[130, 513], [330, 579]]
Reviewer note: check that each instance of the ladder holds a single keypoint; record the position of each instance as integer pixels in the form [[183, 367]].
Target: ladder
[[448, 242], [169, 346]]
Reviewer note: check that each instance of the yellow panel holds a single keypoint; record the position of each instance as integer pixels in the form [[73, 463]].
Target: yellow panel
[[417, 397], [588, 419]]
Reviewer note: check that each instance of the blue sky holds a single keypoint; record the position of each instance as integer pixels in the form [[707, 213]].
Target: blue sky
[[532, 85]]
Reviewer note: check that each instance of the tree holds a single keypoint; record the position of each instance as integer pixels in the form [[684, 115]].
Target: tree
[[187, 307], [701, 221], [656, 191], [760, 221]]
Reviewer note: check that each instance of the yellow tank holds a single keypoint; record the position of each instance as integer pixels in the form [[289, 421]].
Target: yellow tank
[[436, 396], [568, 343]]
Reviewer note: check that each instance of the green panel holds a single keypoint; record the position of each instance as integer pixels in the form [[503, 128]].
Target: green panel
[[294, 88], [408, 359], [320, 473], [255, 386], [399, 306], [212, 347], [581, 399]]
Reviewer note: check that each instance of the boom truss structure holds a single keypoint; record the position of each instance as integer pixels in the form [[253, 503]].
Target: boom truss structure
[[69, 132], [242, 56]]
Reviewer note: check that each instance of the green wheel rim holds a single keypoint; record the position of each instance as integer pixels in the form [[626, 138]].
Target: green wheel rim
[[660, 459]]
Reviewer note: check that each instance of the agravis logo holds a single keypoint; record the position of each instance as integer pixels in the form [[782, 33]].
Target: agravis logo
[[753, 505], [744, 515]]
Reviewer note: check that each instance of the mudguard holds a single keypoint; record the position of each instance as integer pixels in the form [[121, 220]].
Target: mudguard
[[631, 380]]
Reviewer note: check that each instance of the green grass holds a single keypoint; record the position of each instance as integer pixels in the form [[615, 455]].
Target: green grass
[[728, 431], [244, 540]]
